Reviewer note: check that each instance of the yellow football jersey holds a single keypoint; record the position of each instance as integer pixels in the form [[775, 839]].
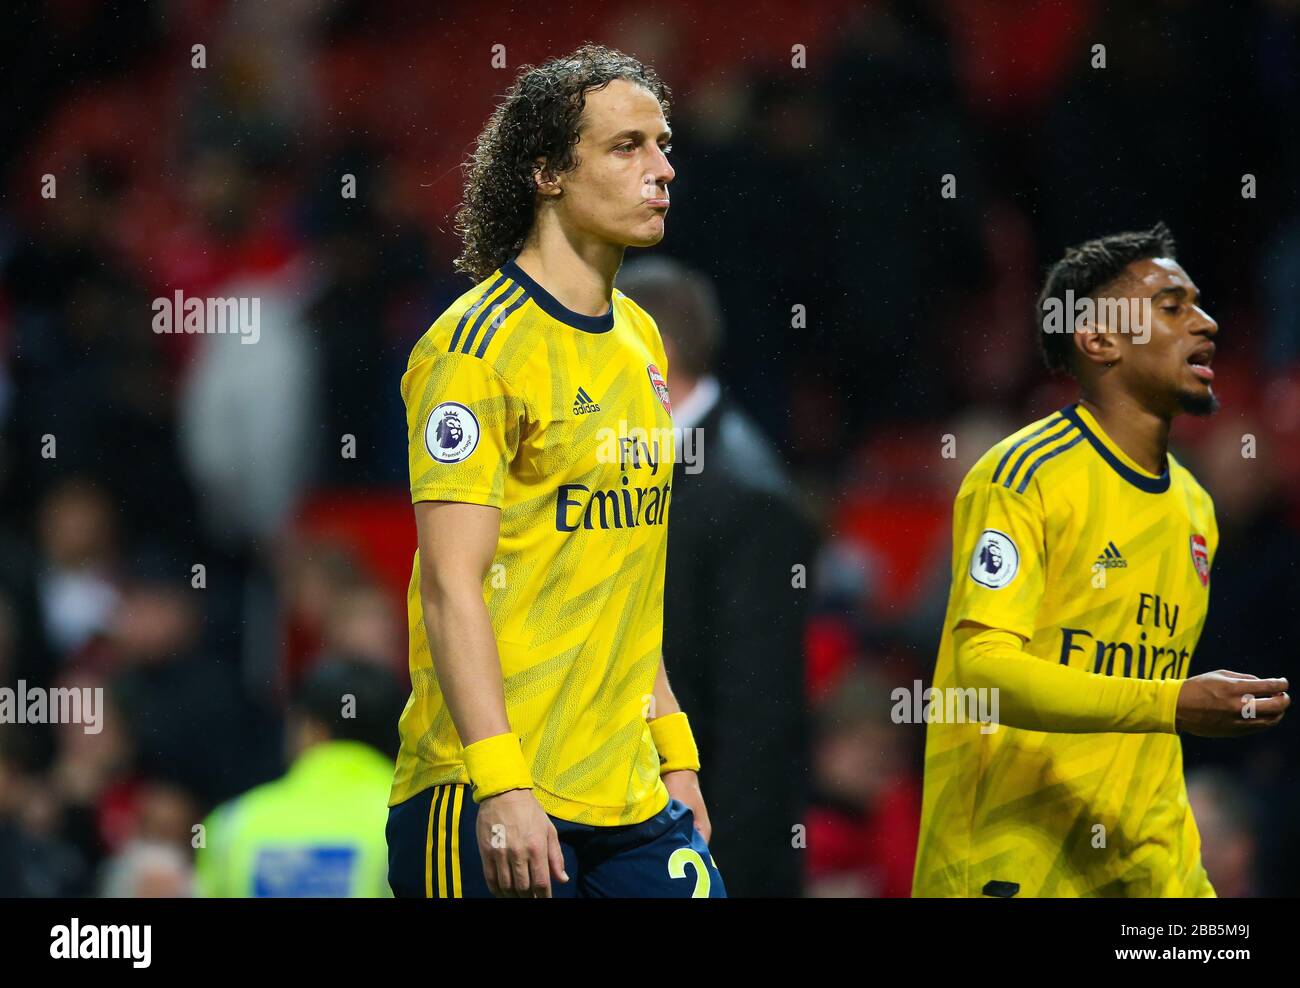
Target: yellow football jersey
[[563, 421], [1103, 567]]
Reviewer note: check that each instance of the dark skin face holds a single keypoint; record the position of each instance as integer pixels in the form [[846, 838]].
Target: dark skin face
[[1167, 374]]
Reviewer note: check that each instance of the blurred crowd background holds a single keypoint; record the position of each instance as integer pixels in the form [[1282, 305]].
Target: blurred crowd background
[[817, 187]]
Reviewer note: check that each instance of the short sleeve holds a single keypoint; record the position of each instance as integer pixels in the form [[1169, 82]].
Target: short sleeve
[[464, 425], [998, 567]]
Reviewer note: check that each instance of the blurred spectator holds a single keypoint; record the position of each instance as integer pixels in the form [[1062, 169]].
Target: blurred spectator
[[164, 814], [866, 800], [25, 650], [369, 312], [92, 395], [78, 582], [148, 870], [1226, 818], [89, 783], [187, 719], [252, 474], [313, 576], [34, 859], [363, 623], [319, 830]]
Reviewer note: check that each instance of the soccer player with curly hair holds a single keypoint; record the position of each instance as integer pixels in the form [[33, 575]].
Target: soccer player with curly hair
[[542, 751]]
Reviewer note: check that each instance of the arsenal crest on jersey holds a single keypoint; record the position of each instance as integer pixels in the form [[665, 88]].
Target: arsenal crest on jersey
[[661, 387], [1201, 559]]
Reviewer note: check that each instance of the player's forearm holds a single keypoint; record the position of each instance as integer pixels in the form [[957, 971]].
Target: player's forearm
[[1045, 696], [466, 661]]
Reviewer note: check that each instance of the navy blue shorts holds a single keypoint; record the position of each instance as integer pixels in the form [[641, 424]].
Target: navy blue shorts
[[433, 853]]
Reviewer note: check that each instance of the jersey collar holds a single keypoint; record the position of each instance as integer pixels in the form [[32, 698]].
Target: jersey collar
[[1113, 455], [552, 306]]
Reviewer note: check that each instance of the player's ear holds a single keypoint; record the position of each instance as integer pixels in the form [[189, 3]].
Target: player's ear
[[547, 182], [1095, 344]]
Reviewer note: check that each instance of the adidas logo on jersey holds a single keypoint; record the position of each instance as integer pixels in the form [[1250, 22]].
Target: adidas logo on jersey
[[1110, 558], [583, 404]]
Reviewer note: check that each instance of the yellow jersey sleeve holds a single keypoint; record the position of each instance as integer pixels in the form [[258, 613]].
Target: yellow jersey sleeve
[[464, 425], [998, 564], [1037, 695]]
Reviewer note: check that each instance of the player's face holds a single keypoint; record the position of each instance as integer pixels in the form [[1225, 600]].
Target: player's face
[[1172, 368], [619, 190]]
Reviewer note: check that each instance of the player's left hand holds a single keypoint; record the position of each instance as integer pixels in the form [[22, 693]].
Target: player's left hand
[[684, 785]]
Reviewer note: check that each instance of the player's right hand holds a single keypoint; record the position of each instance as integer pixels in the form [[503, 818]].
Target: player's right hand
[[1215, 704], [519, 846]]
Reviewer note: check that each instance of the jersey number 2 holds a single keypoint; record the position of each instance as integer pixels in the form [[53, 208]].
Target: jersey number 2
[[677, 862]]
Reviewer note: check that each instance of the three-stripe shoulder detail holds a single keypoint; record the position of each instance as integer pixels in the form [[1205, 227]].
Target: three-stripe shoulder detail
[[479, 323], [1023, 457]]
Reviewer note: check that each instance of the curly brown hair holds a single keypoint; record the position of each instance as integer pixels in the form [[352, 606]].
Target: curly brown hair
[[539, 118]]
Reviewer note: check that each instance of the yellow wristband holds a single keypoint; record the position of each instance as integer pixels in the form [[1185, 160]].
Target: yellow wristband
[[672, 736], [496, 765]]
